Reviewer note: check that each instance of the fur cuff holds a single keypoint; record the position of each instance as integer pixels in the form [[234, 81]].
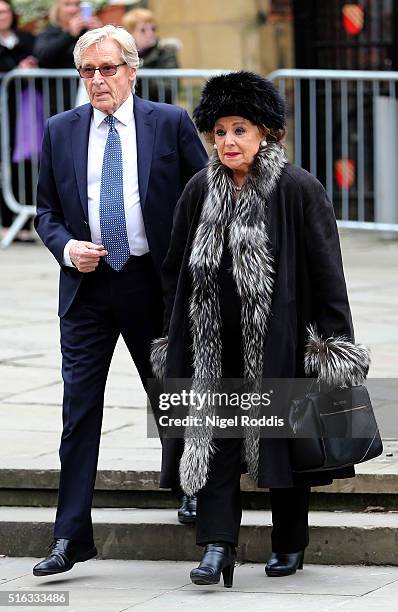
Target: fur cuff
[[336, 361], [158, 357], [194, 464]]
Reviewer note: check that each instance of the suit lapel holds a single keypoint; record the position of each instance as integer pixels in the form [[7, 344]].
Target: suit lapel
[[80, 132], [145, 125]]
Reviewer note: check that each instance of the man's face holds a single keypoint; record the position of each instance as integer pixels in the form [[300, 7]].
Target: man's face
[[107, 93]]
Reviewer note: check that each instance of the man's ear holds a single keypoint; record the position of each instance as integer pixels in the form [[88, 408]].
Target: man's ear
[[132, 74]]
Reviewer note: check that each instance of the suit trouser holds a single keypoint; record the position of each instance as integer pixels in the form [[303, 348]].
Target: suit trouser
[[108, 304], [219, 507]]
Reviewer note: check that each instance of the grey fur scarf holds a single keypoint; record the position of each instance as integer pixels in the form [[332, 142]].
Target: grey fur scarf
[[253, 274]]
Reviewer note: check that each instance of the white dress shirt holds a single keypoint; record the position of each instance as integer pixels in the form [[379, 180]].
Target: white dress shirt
[[98, 135]]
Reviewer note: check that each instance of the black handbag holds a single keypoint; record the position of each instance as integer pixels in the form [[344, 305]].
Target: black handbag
[[333, 429]]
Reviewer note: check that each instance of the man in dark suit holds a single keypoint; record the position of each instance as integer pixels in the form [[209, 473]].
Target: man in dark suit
[[111, 173]]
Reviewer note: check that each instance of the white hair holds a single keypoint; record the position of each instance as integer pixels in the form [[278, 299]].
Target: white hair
[[124, 39]]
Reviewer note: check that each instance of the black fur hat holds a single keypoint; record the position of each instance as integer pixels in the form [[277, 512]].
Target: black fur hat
[[244, 94]]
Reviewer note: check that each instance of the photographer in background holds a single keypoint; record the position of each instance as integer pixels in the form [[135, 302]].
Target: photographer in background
[[54, 47]]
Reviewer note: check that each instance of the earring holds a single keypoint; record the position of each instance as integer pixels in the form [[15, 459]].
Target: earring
[[215, 146], [263, 143]]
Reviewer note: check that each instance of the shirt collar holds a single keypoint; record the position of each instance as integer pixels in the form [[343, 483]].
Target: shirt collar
[[123, 114]]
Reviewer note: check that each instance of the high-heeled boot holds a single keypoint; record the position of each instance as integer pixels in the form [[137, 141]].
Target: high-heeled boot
[[219, 557], [284, 564]]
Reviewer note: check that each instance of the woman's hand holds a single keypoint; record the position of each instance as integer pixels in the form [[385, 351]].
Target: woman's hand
[[94, 22], [28, 62], [76, 25]]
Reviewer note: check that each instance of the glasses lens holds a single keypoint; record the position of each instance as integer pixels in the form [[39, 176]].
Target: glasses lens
[[87, 72], [108, 70]]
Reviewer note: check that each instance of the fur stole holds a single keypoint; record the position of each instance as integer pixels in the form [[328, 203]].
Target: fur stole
[[253, 274]]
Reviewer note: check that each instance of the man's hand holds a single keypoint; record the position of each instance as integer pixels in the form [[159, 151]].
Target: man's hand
[[86, 255]]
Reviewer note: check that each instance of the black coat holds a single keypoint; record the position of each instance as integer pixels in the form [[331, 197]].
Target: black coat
[[163, 56], [10, 58], [54, 47], [309, 288]]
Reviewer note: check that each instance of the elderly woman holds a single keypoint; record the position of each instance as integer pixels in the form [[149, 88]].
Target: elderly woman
[[254, 288]]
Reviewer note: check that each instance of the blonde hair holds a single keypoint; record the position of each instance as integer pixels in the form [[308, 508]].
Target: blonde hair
[[139, 15], [53, 12], [126, 42]]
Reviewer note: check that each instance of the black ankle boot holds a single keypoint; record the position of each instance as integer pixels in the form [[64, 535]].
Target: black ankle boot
[[219, 557], [284, 564], [187, 511]]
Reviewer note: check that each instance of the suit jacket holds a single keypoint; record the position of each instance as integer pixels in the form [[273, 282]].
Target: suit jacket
[[169, 153]]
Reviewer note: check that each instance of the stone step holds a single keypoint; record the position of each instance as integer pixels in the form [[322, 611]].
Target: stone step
[[140, 489], [336, 538]]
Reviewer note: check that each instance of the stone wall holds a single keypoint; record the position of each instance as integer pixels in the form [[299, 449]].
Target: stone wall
[[225, 34]]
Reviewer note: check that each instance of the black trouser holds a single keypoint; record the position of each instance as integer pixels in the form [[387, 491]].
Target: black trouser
[[108, 304], [219, 507]]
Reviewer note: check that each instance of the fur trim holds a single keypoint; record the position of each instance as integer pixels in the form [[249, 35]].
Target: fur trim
[[253, 273], [336, 361], [158, 357], [245, 94]]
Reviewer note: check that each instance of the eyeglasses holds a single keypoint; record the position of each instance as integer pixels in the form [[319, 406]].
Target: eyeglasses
[[87, 72]]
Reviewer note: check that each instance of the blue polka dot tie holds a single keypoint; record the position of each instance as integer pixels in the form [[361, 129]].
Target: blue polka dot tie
[[111, 209]]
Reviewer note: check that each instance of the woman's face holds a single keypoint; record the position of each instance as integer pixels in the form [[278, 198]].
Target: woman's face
[[5, 17], [67, 9], [238, 141], [144, 34]]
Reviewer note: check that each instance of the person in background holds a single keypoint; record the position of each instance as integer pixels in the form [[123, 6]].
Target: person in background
[[54, 47], [16, 46], [16, 51], [153, 52]]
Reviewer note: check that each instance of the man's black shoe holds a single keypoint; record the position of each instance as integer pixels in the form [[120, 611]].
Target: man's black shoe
[[63, 556], [187, 511]]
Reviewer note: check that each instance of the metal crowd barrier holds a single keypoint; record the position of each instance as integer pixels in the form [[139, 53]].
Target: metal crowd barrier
[[38, 94], [343, 127]]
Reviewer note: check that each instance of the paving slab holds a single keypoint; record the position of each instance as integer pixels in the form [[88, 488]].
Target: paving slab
[[113, 586]]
